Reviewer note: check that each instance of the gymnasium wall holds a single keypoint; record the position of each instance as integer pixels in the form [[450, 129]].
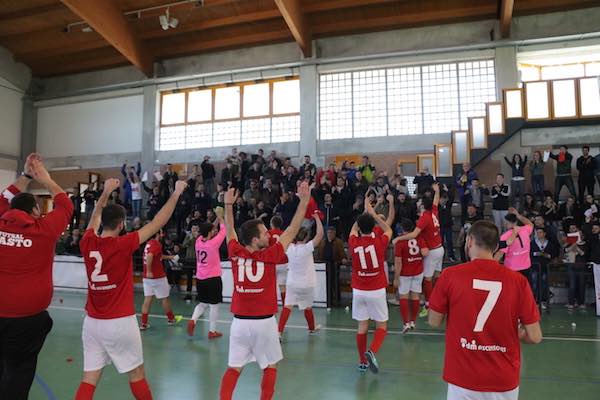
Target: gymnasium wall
[[11, 108], [105, 126]]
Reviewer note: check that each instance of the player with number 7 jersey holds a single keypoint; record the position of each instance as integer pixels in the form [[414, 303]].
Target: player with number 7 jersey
[[489, 310], [110, 330]]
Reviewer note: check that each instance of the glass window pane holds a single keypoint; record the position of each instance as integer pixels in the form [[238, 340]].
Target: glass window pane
[[226, 133], [198, 136], [440, 98], [369, 99], [200, 105], [592, 69], [405, 109], [529, 73], [550, 72], [444, 161], [335, 106], [172, 138], [286, 97], [477, 87], [514, 104], [478, 139], [564, 99], [256, 100], [495, 119], [227, 102], [590, 96], [461, 146], [285, 129], [256, 131], [537, 100], [173, 109]]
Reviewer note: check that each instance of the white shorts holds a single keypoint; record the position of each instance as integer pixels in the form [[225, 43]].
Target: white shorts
[[254, 340], [369, 304], [115, 340], [411, 284], [458, 393], [301, 297], [156, 287], [281, 274], [433, 262]]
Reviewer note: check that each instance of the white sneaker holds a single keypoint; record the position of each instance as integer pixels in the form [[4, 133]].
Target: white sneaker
[[317, 329], [412, 325], [406, 327]]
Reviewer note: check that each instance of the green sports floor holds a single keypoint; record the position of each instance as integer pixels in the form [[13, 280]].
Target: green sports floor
[[566, 365]]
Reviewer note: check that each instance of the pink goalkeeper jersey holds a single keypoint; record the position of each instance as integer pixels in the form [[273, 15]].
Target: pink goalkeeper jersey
[[208, 260], [516, 256]]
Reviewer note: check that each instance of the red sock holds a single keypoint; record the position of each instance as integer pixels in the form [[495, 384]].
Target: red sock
[[414, 309], [283, 298], [228, 383], [378, 340], [141, 390], [404, 310], [361, 345], [285, 314], [310, 318], [144, 319], [85, 391], [170, 315], [427, 288], [267, 386]]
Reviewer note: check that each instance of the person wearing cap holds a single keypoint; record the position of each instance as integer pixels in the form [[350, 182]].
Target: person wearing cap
[[27, 243]]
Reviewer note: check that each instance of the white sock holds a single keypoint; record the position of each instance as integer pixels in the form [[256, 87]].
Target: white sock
[[214, 315], [198, 311]]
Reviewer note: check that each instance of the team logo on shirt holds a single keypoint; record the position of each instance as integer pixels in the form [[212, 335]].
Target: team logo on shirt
[[246, 271], [473, 346], [14, 240]]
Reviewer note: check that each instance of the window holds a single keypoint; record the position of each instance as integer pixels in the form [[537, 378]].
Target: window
[[560, 71], [245, 113], [411, 100]]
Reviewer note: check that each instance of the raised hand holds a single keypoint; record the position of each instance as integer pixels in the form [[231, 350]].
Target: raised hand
[[39, 171], [180, 187], [304, 192], [230, 196], [436, 186], [111, 184]]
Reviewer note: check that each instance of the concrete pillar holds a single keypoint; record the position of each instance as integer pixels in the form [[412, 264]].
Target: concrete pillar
[[507, 74], [149, 127], [28, 130], [308, 111]]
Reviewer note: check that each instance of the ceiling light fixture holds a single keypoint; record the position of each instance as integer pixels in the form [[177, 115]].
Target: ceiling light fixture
[[166, 21]]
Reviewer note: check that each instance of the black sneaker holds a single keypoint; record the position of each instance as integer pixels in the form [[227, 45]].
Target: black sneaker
[[373, 365]]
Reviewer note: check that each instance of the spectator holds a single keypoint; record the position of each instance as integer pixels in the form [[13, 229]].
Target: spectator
[[290, 179], [330, 213], [367, 170], [76, 201], [586, 165], [202, 201], [551, 233], [255, 173], [154, 201], [529, 207], [575, 253], [241, 212], [128, 177], [500, 195], [569, 213], [536, 167], [189, 258], [195, 220], [591, 207], [252, 193], [405, 208], [518, 243], [549, 210], [89, 198], [115, 199], [423, 181], [446, 223], [360, 184], [597, 171], [136, 195], [208, 174], [342, 202], [331, 251], [227, 175], [72, 243], [272, 173], [517, 182], [542, 252], [270, 194], [474, 195], [463, 182], [563, 172], [308, 166], [471, 217]]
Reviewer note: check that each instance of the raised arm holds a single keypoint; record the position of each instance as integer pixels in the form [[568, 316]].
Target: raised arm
[[163, 216], [436, 196], [230, 198], [109, 186], [524, 220], [508, 161], [319, 234], [392, 210], [292, 230], [387, 231]]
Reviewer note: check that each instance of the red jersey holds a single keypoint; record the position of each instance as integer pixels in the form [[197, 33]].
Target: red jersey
[[429, 224], [273, 237], [27, 247], [254, 279], [484, 302], [109, 266], [155, 248], [368, 256], [410, 252]]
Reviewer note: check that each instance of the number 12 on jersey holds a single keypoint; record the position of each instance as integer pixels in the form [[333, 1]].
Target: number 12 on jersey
[[493, 288], [363, 260]]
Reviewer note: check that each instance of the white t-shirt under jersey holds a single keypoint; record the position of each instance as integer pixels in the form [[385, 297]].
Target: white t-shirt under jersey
[[301, 267]]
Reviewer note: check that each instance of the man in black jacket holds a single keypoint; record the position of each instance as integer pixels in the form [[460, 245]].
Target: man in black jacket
[[543, 250], [208, 174], [563, 172], [586, 165], [446, 223]]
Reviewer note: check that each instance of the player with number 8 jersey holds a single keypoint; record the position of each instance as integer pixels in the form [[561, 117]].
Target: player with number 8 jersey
[[489, 308], [110, 330]]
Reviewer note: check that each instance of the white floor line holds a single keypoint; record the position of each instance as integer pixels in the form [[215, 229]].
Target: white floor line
[[337, 329]]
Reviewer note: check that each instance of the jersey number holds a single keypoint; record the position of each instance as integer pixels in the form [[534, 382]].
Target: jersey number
[[436, 222], [96, 276], [493, 288], [245, 270], [413, 247], [361, 255], [202, 254]]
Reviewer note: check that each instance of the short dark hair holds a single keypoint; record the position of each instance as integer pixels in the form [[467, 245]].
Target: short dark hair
[[24, 202], [112, 216], [541, 229], [500, 174], [407, 225], [250, 230], [585, 147], [277, 221], [427, 202], [205, 228], [565, 146], [512, 218], [485, 234], [301, 235], [365, 223]]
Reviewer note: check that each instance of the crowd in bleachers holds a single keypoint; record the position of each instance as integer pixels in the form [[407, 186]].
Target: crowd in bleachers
[[267, 185]]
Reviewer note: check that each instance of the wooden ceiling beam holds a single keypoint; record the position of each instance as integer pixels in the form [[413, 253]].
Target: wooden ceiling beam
[[292, 13], [106, 18], [506, 13], [320, 6]]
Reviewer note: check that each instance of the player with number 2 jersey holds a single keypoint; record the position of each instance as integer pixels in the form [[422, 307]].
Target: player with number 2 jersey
[[110, 331], [489, 309], [367, 247]]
